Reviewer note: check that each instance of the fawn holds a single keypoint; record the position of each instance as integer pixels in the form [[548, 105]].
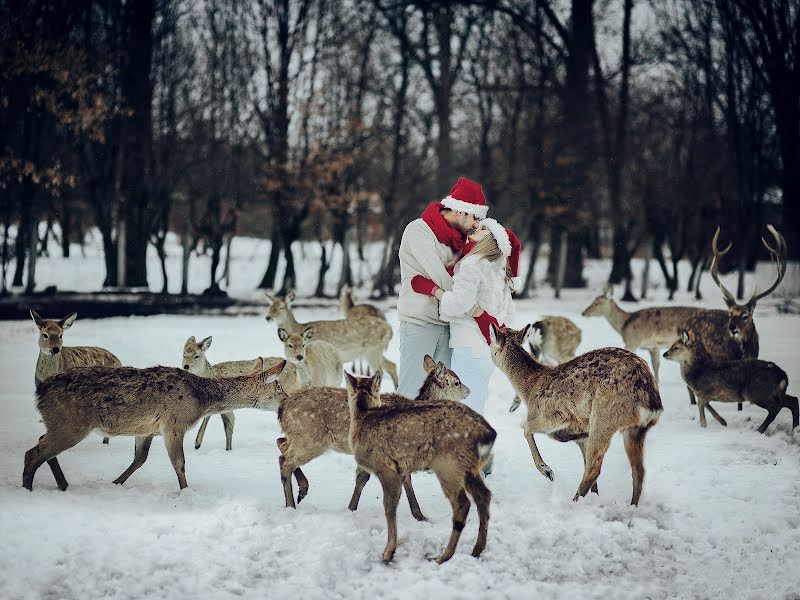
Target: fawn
[[56, 358], [364, 337], [395, 440], [317, 420], [195, 361], [142, 403], [317, 362], [749, 380], [586, 400]]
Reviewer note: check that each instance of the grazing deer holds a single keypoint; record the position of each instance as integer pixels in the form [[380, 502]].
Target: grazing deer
[[318, 420], [317, 362], [364, 337], [351, 310], [398, 439], [586, 400], [55, 358], [750, 380], [142, 403], [195, 361]]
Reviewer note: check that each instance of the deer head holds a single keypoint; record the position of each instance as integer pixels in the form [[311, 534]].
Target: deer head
[[740, 324], [363, 392], [194, 355], [504, 339], [681, 349], [294, 344], [51, 332], [279, 308], [446, 381], [600, 306]]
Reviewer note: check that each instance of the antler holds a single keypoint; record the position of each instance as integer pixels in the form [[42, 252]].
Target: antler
[[778, 255], [729, 298]]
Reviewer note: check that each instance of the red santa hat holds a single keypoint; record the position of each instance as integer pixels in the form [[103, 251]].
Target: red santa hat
[[467, 196], [509, 245]]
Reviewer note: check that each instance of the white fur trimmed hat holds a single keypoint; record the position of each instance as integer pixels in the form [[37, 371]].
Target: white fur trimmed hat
[[509, 245], [467, 196]]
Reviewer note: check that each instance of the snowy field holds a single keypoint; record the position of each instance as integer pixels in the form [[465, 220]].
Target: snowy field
[[719, 515]]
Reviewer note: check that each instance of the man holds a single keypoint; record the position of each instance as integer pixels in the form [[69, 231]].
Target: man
[[428, 246]]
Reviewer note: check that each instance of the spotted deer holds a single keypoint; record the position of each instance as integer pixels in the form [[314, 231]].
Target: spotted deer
[[750, 380], [143, 403], [363, 337], [318, 363], [586, 400], [398, 439], [351, 310], [316, 421], [196, 362], [56, 358]]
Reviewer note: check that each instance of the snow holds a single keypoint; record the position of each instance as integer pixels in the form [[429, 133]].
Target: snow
[[719, 515]]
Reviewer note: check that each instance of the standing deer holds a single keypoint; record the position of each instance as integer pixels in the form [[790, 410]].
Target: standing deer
[[586, 400], [351, 310], [317, 420], [364, 337], [142, 403], [195, 361], [750, 380], [398, 439], [317, 362], [55, 358]]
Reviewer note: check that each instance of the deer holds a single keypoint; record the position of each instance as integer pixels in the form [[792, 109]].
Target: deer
[[55, 358], [363, 337], [586, 400], [196, 362], [397, 439], [143, 403], [317, 420], [351, 310], [760, 382], [318, 363]]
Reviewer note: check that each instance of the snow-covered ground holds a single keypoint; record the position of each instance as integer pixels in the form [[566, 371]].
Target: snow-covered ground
[[719, 516]]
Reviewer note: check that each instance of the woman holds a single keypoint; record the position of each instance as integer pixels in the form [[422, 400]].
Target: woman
[[483, 278]]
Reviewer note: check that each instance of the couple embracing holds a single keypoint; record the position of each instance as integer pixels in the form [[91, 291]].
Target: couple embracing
[[458, 271]]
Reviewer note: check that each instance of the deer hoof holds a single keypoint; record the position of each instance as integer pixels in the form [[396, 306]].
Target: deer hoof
[[548, 472]]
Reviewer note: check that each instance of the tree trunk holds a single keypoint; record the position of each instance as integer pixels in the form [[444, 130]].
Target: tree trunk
[[563, 243], [185, 258], [268, 281], [324, 266], [534, 239], [33, 252], [66, 230]]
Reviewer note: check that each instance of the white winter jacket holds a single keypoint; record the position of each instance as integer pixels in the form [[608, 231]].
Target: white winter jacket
[[476, 281]]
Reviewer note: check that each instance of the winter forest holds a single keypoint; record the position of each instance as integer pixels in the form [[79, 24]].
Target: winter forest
[[519, 278]]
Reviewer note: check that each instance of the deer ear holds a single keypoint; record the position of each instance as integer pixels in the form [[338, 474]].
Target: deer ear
[[205, 344], [258, 367], [37, 319], [351, 381], [496, 335], [191, 340], [684, 336], [441, 371], [608, 291], [270, 297], [290, 296], [283, 334], [272, 373], [67, 322], [526, 333], [308, 334], [376, 382], [428, 364]]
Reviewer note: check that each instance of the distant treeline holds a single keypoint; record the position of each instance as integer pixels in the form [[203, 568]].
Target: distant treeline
[[615, 126]]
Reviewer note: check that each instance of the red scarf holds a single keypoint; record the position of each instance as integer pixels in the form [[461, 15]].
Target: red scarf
[[447, 235]]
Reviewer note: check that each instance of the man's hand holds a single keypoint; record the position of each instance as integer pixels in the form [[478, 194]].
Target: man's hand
[[422, 285], [484, 321]]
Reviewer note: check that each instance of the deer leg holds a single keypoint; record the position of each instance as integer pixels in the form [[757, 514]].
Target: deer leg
[[392, 484], [537, 458], [362, 477], [692, 399], [715, 414], [416, 512], [198, 441], [701, 408], [49, 446], [173, 440], [302, 484], [791, 403], [773, 412], [105, 440], [738, 406], [596, 447], [515, 403], [390, 368], [654, 359], [61, 481], [140, 452], [460, 503], [582, 445], [228, 419], [634, 448], [482, 497]]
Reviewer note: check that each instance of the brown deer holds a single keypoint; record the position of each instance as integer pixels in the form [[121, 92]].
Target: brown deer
[[318, 363], [142, 403], [586, 400], [351, 310], [317, 420], [395, 440], [195, 361], [55, 358], [364, 337], [750, 380]]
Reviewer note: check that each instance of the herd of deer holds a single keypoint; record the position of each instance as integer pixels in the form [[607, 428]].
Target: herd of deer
[[586, 399]]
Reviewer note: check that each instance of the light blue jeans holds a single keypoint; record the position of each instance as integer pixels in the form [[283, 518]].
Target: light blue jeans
[[415, 342], [475, 374]]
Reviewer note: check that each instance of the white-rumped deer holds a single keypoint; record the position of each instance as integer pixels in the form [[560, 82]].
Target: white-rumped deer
[[363, 337], [395, 440], [196, 362], [143, 403], [586, 400], [749, 380], [318, 363], [317, 420]]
